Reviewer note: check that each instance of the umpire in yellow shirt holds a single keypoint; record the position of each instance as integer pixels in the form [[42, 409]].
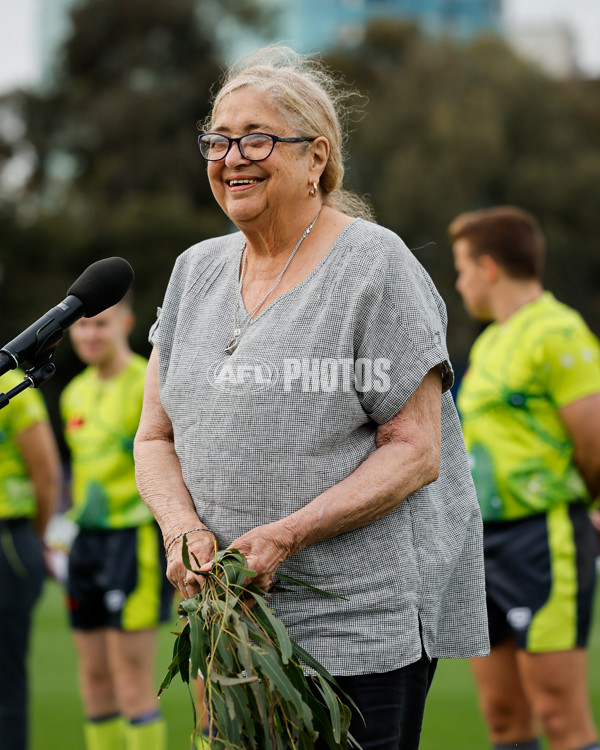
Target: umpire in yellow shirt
[[118, 592], [530, 409]]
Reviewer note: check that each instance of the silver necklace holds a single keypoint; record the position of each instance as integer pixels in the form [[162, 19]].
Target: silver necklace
[[239, 330]]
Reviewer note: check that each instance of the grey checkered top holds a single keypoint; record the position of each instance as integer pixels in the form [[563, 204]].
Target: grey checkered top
[[262, 432]]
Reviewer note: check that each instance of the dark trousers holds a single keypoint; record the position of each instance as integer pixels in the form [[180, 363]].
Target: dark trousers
[[22, 573], [392, 705]]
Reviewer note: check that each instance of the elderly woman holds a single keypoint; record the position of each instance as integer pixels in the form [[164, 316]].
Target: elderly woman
[[297, 408]]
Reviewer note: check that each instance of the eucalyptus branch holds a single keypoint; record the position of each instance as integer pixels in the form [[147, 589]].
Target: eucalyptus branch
[[263, 691]]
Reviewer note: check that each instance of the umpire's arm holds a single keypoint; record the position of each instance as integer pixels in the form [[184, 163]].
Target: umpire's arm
[[582, 420]]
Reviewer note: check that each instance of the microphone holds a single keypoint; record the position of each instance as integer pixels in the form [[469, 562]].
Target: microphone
[[100, 286]]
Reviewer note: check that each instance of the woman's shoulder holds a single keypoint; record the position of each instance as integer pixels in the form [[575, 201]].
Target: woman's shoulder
[[378, 249], [222, 247], [206, 257], [382, 261]]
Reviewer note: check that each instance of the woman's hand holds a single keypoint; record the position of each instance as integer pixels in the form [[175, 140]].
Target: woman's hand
[[201, 544], [265, 548]]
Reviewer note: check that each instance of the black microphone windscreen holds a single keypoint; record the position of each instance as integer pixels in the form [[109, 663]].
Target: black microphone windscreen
[[102, 284]]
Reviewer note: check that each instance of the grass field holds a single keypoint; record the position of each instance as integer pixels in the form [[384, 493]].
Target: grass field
[[452, 721]]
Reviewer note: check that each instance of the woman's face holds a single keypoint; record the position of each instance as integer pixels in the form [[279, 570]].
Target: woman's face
[[271, 189]]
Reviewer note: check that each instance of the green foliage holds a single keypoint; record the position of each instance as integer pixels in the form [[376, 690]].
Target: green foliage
[[111, 149], [256, 690], [450, 128]]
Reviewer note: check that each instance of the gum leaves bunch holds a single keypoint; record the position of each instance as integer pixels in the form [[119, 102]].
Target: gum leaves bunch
[[258, 691]]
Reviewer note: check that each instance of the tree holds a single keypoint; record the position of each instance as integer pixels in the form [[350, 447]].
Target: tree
[[449, 128], [111, 158], [115, 165]]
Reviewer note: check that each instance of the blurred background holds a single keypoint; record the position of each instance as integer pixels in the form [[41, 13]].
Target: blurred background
[[467, 103]]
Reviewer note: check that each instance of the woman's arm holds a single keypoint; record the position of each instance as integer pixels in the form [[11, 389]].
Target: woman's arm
[[39, 451], [407, 458], [160, 483]]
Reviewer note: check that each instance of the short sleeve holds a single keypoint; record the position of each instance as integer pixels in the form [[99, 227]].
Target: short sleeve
[[153, 333], [26, 409], [162, 330], [571, 363], [403, 334]]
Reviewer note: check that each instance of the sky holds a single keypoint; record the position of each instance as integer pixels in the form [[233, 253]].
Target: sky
[[19, 62], [582, 16]]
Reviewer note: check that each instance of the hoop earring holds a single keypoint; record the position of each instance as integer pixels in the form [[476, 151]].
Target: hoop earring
[[315, 189]]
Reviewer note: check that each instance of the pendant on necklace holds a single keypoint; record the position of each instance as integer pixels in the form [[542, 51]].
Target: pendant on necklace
[[233, 344]]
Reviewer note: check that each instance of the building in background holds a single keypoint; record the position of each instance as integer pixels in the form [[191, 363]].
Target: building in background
[[314, 25], [550, 46]]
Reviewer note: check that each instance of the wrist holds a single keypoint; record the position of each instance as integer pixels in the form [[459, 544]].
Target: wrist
[[287, 536], [170, 544]]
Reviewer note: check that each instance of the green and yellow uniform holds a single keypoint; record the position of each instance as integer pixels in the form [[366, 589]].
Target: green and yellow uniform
[[116, 565], [16, 491], [101, 418], [521, 373]]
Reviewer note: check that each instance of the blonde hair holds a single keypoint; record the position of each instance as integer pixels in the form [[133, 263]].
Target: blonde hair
[[311, 101]]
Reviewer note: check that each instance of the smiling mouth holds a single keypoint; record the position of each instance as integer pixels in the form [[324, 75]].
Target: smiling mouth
[[244, 182]]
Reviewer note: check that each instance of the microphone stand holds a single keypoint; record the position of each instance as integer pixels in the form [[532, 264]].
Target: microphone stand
[[43, 368]]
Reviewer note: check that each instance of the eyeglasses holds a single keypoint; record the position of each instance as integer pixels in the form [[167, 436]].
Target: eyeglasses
[[252, 146]]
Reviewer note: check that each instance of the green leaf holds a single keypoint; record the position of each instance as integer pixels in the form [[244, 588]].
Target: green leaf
[[197, 646], [168, 678], [185, 555], [187, 606], [304, 656], [323, 725], [273, 670], [309, 586], [333, 705], [278, 627], [223, 679]]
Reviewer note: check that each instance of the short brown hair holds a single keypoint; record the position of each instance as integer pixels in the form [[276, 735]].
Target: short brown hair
[[509, 235]]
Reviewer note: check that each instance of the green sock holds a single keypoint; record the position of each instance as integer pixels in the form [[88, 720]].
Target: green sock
[[104, 734], [147, 734]]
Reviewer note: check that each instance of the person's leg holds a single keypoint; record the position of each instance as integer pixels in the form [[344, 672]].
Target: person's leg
[[553, 660], [392, 705], [540, 584], [502, 699], [97, 689], [21, 576], [137, 575], [556, 685], [103, 725], [131, 657]]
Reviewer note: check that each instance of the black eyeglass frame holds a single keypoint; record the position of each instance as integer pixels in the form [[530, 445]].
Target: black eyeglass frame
[[274, 139]]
